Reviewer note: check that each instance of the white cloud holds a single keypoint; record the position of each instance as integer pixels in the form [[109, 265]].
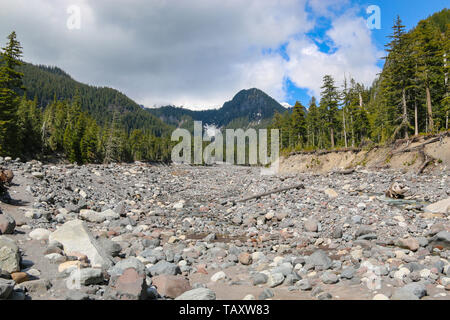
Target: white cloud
[[196, 53], [354, 55]]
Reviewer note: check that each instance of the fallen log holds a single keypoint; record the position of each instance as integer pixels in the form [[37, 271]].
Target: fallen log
[[344, 172], [257, 196], [423, 166], [323, 152]]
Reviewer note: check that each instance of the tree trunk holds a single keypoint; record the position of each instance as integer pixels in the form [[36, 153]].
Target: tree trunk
[[416, 121], [353, 132], [332, 137], [446, 120], [405, 113], [430, 110], [345, 131]]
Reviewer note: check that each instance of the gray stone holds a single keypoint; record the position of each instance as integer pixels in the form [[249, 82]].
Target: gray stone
[[164, 267], [259, 278], [348, 273], [84, 277], [111, 248], [122, 265], [198, 294], [266, 294], [303, 285], [9, 255], [319, 259], [6, 288], [40, 285], [153, 255], [329, 278], [411, 291], [275, 279], [442, 238]]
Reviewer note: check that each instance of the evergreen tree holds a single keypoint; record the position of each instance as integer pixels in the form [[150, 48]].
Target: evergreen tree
[[329, 106], [10, 83], [298, 124], [429, 56]]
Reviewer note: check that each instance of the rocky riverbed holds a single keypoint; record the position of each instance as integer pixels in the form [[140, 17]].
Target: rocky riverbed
[[137, 231]]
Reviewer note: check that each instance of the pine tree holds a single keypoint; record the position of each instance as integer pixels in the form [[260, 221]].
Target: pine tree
[[397, 74], [10, 83], [298, 124], [429, 55], [312, 119], [329, 105]]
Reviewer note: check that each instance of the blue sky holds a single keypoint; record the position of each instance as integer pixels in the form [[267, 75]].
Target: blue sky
[[410, 11]]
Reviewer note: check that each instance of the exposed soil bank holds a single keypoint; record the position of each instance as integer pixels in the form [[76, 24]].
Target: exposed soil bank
[[419, 153]]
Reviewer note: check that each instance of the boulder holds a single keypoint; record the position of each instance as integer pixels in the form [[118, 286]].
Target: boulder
[[412, 291], [319, 259], [171, 286], [9, 255], [164, 267], [131, 285], [76, 237], [441, 239]]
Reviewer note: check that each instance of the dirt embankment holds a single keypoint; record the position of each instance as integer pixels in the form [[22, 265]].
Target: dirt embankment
[[417, 154]]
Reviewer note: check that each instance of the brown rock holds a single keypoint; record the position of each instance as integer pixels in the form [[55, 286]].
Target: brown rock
[[131, 285], [408, 243], [7, 224], [245, 258], [68, 264], [19, 277], [171, 286]]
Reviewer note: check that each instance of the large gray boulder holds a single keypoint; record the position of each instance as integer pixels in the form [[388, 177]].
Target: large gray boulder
[[9, 255], [441, 238], [319, 259], [76, 237], [412, 291]]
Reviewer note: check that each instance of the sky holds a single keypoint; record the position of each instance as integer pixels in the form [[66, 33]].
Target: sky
[[200, 53]]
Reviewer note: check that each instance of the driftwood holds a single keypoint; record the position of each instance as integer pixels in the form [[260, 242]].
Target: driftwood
[[424, 165], [343, 172], [397, 191], [257, 196], [322, 152]]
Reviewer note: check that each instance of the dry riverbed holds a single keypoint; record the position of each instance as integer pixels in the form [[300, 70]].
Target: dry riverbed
[[138, 231]]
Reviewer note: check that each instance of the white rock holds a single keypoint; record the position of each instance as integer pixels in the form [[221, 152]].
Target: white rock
[[380, 297], [39, 234], [401, 273], [76, 237], [218, 276]]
